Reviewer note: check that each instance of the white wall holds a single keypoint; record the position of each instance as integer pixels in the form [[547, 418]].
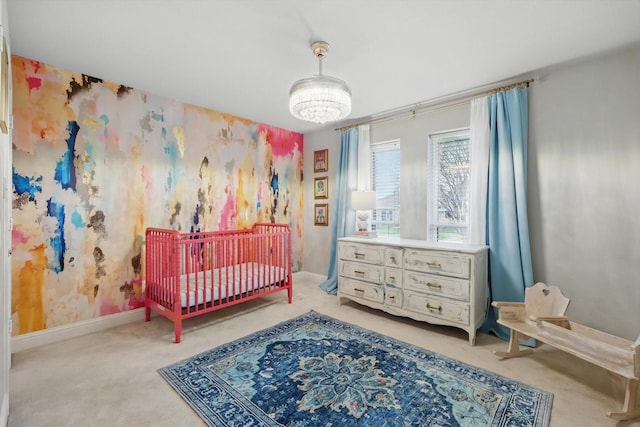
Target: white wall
[[413, 134], [317, 239], [584, 185], [584, 188]]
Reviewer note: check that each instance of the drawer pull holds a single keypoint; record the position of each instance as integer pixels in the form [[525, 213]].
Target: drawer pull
[[434, 264], [359, 273], [359, 255], [392, 279], [392, 258], [392, 297], [434, 285], [358, 290], [432, 308]]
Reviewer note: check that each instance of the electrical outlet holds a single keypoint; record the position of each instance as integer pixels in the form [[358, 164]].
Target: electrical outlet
[[10, 326]]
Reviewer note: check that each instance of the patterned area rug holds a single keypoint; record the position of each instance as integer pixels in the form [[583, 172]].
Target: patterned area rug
[[317, 371]]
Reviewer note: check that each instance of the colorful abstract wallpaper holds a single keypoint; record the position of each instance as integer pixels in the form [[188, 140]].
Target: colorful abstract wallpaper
[[96, 162]]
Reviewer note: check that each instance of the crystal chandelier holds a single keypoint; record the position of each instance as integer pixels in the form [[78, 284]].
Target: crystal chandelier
[[320, 99]]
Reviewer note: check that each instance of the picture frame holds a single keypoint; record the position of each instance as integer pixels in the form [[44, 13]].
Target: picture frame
[[4, 87], [321, 214], [321, 187], [321, 160]]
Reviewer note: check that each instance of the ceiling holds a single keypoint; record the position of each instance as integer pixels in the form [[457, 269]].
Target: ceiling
[[242, 56]]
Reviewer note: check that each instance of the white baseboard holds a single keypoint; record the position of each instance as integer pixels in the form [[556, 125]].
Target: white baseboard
[[307, 275], [84, 327], [4, 411], [72, 330]]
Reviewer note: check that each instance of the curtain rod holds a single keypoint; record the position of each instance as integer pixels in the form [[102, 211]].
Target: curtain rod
[[440, 103]]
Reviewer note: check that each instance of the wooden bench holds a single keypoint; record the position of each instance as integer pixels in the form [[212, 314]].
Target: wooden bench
[[542, 316]]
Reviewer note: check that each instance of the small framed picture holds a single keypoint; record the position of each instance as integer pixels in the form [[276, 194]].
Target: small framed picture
[[321, 187], [320, 161], [321, 214]]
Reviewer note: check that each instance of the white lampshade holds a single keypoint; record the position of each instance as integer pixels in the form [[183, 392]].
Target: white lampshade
[[320, 99], [363, 200]]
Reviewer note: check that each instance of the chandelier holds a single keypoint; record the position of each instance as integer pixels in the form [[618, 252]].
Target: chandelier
[[320, 99]]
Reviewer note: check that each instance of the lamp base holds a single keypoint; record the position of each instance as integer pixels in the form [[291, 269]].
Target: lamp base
[[365, 234]]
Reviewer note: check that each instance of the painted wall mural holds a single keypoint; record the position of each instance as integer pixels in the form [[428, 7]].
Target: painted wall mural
[[96, 162]]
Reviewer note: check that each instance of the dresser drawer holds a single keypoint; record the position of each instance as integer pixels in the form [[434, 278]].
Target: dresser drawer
[[448, 310], [393, 257], [393, 277], [362, 271], [360, 289], [426, 281], [393, 297], [372, 254], [436, 285], [437, 263]]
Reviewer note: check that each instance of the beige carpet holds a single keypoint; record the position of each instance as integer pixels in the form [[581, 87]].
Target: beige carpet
[[110, 379]]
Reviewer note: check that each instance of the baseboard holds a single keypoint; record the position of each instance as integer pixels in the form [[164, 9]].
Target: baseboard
[[4, 411], [72, 330], [307, 275], [84, 327]]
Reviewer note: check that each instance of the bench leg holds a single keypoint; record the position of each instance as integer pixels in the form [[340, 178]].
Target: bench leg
[[630, 409], [514, 346]]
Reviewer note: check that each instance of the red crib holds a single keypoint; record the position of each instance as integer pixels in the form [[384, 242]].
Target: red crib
[[188, 274]]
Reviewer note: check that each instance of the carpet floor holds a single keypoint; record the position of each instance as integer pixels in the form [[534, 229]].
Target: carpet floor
[[110, 378]]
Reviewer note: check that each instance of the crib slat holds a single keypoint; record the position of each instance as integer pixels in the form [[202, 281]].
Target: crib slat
[[214, 269]]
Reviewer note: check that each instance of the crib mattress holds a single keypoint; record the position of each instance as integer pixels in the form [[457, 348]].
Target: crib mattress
[[220, 283]]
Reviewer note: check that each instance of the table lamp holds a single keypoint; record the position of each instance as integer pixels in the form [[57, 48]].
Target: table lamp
[[363, 202]]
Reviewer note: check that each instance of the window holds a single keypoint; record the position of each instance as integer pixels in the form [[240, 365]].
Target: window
[[385, 181], [448, 197]]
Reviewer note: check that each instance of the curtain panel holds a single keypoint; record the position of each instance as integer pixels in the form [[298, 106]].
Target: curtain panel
[[510, 269], [344, 218]]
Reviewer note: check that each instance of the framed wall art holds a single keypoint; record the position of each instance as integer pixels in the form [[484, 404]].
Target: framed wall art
[[321, 214], [321, 187], [320, 160]]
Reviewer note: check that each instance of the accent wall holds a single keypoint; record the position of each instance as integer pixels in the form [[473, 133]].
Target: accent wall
[[96, 162]]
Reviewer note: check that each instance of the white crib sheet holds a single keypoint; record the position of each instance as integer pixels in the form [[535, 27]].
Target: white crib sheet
[[240, 278]]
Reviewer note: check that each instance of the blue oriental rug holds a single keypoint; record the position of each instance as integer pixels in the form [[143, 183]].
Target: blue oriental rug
[[314, 370]]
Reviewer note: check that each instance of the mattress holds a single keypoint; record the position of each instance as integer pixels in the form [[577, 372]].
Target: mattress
[[227, 281]]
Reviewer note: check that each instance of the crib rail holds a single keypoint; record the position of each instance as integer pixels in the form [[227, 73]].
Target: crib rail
[[220, 268], [191, 273], [162, 267]]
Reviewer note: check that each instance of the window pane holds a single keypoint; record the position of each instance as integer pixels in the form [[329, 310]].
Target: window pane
[[448, 209], [385, 181]]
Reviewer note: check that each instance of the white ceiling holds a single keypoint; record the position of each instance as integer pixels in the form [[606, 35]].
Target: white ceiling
[[242, 56]]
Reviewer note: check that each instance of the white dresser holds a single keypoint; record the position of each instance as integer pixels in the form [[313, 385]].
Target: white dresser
[[445, 284]]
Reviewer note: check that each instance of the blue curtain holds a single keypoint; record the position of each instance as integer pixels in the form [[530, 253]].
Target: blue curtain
[[510, 270], [342, 219]]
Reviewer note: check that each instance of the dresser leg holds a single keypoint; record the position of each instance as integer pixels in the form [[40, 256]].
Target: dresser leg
[[472, 338]]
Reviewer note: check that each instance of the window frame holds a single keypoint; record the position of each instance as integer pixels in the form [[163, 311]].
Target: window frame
[[434, 224], [374, 148]]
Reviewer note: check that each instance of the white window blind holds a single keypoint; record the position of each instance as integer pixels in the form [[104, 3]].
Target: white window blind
[[448, 197], [385, 181]]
